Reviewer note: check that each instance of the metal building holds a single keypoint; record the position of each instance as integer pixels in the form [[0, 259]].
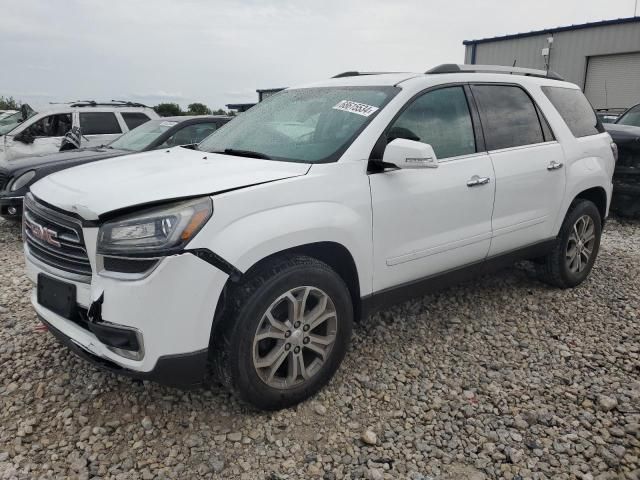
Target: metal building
[[603, 58]]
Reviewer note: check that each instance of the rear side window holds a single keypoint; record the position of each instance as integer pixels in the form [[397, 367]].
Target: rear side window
[[134, 119], [509, 117], [440, 118], [575, 110], [99, 123]]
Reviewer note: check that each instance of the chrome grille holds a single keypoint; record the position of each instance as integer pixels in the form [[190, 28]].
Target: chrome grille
[[55, 238]]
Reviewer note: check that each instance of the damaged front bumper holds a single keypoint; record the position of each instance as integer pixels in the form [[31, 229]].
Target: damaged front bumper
[[156, 328]]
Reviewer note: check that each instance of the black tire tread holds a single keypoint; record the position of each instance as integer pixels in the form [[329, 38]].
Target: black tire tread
[[549, 269], [238, 296]]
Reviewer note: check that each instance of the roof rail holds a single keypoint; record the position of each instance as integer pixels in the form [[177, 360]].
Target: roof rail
[[357, 74], [112, 103], [530, 72]]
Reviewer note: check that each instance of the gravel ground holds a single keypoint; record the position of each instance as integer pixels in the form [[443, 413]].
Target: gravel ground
[[503, 377]]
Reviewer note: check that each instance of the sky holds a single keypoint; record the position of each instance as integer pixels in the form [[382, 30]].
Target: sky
[[220, 51]]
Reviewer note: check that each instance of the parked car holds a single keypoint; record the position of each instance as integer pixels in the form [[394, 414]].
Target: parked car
[[626, 178], [609, 115], [255, 253], [161, 133], [31, 133], [6, 113]]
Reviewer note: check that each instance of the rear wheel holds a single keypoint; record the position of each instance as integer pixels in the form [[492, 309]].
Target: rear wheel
[[286, 333], [576, 247]]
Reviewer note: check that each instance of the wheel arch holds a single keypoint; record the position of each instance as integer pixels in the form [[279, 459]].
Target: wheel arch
[[598, 196], [334, 254], [595, 193]]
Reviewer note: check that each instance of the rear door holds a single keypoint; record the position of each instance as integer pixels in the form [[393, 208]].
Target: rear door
[[99, 128], [528, 164]]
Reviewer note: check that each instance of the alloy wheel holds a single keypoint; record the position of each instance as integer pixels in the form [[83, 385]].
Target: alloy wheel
[[295, 337], [580, 244]]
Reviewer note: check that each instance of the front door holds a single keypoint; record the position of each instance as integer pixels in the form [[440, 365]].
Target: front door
[[428, 221], [44, 136], [529, 167]]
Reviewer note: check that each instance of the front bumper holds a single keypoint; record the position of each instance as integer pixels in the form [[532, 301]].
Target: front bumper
[[7, 204], [183, 371], [172, 310]]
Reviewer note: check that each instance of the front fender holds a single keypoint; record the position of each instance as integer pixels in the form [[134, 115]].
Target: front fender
[[249, 239]]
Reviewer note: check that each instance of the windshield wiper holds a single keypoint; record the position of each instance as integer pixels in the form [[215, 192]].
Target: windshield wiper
[[243, 153]]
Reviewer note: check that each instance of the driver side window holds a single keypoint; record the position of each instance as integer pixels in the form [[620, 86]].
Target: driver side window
[[440, 118], [51, 126]]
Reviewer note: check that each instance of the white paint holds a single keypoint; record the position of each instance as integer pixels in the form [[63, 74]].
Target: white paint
[[399, 225]]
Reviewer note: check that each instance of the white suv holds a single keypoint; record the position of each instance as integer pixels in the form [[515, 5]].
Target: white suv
[[27, 133], [254, 253]]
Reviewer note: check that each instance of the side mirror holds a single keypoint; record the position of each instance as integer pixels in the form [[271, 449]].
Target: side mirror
[[24, 137], [410, 154]]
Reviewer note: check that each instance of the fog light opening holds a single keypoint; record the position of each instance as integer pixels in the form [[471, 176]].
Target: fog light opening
[[12, 210]]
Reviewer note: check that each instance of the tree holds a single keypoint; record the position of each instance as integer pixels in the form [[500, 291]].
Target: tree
[[168, 109], [199, 109], [220, 111], [9, 103]]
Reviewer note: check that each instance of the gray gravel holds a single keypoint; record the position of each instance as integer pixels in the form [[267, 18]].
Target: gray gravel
[[503, 377]]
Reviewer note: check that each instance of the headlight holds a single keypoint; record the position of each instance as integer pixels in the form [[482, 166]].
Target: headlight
[[22, 180], [156, 231]]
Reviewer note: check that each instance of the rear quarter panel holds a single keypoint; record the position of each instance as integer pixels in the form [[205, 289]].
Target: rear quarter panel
[[589, 160]]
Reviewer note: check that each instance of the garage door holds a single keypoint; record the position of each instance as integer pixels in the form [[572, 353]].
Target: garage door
[[612, 80]]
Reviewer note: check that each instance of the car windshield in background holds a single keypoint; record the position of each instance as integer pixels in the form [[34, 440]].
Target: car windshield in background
[[12, 121], [311, 125], [141, 137], [632, 117]]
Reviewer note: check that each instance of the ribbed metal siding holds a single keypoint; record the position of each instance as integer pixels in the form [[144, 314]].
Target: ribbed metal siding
[[613, 81], [570, 51]]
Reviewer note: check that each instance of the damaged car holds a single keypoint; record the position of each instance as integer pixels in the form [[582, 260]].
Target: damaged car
[[248, 259], [155, 134], [27, 132], [626, 179]]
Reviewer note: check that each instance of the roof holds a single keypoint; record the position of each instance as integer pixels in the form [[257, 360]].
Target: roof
[[602, 23], [384, 79]]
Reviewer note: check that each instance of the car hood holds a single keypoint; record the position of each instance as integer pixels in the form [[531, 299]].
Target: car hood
[[68, 157], [94, 189]]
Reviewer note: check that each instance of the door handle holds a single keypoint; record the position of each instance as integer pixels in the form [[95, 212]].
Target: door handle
[[554, 165], [476, 180]]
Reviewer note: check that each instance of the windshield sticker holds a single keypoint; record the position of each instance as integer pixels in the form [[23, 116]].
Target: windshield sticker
[[357, 108], [168, 124]]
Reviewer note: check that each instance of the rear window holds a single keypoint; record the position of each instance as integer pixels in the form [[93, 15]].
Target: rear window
[[133, 119], [99, 123], [575, 110]]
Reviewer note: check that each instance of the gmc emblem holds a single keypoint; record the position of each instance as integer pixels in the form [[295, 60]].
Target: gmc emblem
[[43, 234]]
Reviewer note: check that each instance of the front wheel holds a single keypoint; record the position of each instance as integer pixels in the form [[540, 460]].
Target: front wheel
[[576, 247], [286, 334]]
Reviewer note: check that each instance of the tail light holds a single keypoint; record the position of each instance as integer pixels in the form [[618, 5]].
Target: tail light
[[614, 150]]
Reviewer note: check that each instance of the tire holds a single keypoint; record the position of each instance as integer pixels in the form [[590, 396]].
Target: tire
[[247, 339], [560, 268]]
